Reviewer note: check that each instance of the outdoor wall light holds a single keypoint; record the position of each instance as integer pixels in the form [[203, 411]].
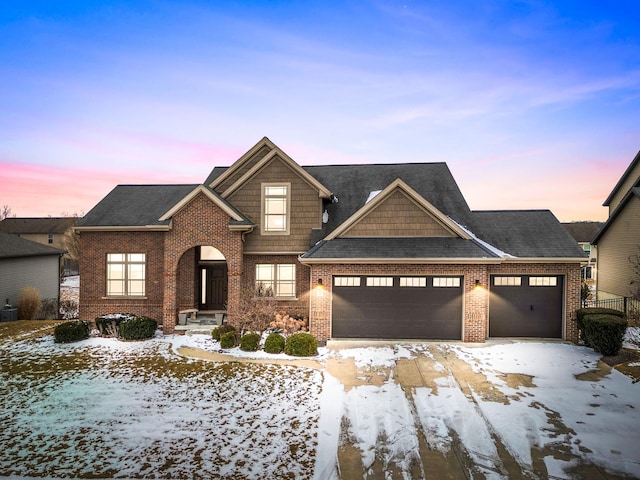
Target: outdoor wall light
[[319, 287], [477, 285]]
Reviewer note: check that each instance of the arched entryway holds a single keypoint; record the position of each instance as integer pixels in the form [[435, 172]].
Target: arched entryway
[[212, 279]]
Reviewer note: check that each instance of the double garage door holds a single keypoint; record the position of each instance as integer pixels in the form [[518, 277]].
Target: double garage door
[[431, 307], [397, 307]]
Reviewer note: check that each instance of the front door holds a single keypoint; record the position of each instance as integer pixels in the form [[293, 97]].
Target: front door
[[213, 287]]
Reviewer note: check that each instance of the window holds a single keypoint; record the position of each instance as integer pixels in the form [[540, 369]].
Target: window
[[379, 281], [446, 281], [346, 281], [413, 282], [507, 281], [50, 238], [275, 208], [275, 280], [126, 273], [587, 248], [543, 281], [587, 273]]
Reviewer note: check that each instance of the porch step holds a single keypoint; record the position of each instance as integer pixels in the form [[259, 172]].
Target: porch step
[[199, 331]]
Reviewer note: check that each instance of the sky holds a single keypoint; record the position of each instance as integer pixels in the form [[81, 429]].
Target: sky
[[532, 104]]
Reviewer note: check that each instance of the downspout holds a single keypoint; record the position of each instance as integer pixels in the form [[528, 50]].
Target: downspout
[[246, 232]]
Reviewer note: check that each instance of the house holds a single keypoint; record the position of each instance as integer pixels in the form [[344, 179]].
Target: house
[[24, 263], [44, 230], [364, 251], [618, 241], [583, 233]]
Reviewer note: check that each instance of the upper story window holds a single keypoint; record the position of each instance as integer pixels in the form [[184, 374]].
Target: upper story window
[[276, 201], [126, 274], [50, 238], [587, 248]]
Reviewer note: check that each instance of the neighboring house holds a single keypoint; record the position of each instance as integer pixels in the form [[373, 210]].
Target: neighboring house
[[44, 230], [583, 233], [24, 263], [618, 241], [364, 251]]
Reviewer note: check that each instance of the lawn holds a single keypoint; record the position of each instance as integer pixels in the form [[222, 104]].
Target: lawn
[[105, 408]]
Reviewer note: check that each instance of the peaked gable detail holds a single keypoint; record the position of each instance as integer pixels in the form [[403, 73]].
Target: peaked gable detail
[[201, 189], [244, 163], [437, 223], [276, 153]]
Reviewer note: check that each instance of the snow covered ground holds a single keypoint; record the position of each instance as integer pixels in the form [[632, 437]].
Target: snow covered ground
[[108, 408]]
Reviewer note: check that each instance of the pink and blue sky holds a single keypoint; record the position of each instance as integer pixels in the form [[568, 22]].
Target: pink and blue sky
[[532, 104]]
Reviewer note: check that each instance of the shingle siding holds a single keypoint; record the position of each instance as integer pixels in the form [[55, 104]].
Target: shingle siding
[[41, 272]]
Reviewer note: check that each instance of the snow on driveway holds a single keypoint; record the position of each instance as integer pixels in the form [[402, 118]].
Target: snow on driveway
[[138, 410]]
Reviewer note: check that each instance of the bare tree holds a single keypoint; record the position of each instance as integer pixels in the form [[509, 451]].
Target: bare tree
[[71, 242], [5, 212]]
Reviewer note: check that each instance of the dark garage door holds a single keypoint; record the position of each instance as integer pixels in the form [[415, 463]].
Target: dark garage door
[[526, 306], [397, 307]]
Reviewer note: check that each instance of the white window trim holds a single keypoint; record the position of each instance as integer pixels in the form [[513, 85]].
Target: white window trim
[[414, 282], [507, 281], [346, 281], [126, 280], [543, 281], [276, 282], [379, 281], [446, 282], [263, 212]]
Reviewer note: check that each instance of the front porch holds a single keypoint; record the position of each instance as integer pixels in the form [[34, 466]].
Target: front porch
[[200, 321]]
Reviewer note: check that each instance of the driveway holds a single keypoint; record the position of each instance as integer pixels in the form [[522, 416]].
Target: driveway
[[460, 411]]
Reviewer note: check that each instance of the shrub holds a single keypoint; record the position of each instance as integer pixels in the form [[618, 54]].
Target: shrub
[[48, 309], [69, 309], [109, 325], [301, 345], [28, 303], [217, 332], [604, 332], [229, 339], [138, 328], [274, 343], [71, 332], [250, 342], [583, 312]]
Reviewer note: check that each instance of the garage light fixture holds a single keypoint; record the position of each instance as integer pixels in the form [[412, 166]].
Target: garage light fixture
[[319, 288], [477, 285]]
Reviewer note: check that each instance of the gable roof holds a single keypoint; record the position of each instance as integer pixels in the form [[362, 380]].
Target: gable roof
[[582, 231], [352, 184], [12, 246], [240, 164], [634, 192], [623, 180], [377, 197], [150, 207], [36, 225], [533, 234], [135, 206], [398, 250], [236, 216]]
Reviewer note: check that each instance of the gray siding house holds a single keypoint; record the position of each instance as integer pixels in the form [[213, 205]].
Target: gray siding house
[[25, 263]]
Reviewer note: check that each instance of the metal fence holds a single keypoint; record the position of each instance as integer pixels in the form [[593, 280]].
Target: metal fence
[[630, 306]]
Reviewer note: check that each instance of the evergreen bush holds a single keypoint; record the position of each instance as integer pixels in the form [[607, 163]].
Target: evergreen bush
[[138, 328], [250, 342], [274, 343], [583, 312], [71, 332], [217, 332], [229, 339], [604, 332], [301, 345]]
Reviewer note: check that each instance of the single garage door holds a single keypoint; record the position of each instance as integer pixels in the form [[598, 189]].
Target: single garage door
[[397, 307], [526, 306]]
